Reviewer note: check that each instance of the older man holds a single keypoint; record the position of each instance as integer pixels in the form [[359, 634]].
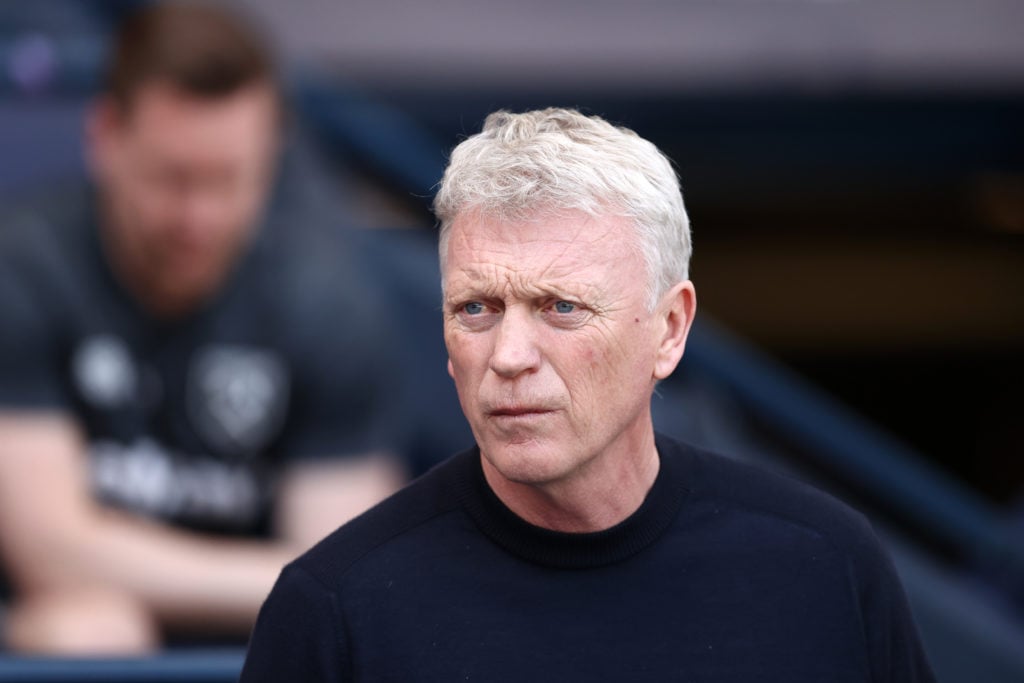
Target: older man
[[573, 543]]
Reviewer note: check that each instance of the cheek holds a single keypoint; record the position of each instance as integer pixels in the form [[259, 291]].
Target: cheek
[[586, 368], [615, 361], [246, 203], [237, 228], [596, 365], [464, 356], [467, 368], [154, 206]]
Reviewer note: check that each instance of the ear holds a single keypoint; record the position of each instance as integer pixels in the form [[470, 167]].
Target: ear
[[103, 122], [676, 310], [451, 370]]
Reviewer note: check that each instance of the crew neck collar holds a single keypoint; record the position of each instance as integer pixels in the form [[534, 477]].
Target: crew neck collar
[[566, 550]]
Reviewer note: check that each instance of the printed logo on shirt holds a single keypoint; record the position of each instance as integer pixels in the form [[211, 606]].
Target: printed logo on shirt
[[104, 372], [148, 479], [237, 398]]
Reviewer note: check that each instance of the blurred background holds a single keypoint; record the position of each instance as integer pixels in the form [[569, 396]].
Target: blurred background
[[854, 171]]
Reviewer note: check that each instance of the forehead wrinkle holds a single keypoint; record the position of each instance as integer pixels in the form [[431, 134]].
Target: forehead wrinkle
[[499, 280], [505, 265]]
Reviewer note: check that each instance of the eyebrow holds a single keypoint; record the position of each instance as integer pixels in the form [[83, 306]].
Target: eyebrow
[[575, 291]]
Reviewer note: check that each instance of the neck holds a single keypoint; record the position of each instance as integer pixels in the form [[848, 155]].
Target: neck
[[602, 493]]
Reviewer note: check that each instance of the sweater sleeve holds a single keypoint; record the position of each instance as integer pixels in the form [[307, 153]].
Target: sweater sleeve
[[895, 652], [298, 635]]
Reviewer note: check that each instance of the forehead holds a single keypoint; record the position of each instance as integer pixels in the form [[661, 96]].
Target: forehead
[[162, 114], [571, 250]]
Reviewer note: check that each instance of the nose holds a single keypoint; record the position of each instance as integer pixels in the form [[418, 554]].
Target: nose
[[515, 345]]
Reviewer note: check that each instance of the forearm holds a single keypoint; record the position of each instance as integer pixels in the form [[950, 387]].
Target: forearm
[[183, 578], [53, 536], [318, 496]]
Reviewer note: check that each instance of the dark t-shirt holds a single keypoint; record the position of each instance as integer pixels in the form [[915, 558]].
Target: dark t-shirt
[[725, 574], [187, 420]]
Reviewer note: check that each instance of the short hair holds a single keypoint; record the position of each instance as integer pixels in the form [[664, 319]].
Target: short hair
[[524, 165], [203, 50]]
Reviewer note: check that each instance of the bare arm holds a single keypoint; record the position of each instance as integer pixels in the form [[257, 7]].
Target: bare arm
[[54, 536], [318, 496]]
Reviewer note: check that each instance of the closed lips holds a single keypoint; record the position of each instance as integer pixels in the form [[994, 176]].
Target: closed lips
[[513, 412]]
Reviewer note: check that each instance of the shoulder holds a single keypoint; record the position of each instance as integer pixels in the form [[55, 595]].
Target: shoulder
[[806, 538], [44, 246], [321, 287], [408, 512], [785, 521], [750, 491], [44, 264], [38, 224]]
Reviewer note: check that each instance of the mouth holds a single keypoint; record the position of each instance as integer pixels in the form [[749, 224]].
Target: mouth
[[518, 412]]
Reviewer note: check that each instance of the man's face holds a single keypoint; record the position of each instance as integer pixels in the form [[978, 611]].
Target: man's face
[[552, 348], [184, 179]]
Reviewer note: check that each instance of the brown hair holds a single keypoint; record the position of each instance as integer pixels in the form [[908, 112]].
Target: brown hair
[[203, 50]]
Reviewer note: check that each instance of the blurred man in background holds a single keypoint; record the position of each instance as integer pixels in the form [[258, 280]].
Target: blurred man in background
[[184, 402]]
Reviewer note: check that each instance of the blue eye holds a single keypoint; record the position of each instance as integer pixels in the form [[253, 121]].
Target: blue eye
[[473, 308], [564, 307]]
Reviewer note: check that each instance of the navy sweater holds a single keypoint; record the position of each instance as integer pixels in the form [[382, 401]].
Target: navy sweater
[[724, 574]]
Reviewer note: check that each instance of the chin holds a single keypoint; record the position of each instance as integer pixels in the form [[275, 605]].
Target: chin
[[528, 461]]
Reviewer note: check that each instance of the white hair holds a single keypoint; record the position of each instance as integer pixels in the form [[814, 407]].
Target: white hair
[[524, 165]]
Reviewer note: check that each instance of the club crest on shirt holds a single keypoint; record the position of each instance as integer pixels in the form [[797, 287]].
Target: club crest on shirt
[[104, 372], [237, 397]]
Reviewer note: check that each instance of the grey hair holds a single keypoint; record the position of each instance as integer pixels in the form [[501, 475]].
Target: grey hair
[[524, 165]]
